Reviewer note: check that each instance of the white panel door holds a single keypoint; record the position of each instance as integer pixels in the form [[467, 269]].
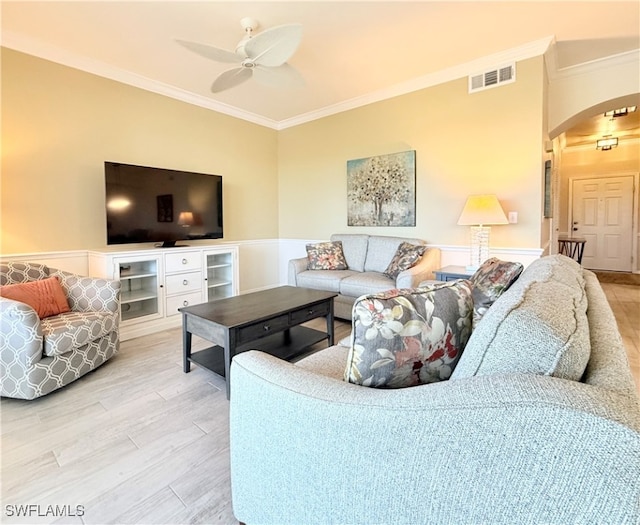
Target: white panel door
[[602, 212]]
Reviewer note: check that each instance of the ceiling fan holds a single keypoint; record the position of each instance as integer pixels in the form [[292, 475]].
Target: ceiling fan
[[262, 56]]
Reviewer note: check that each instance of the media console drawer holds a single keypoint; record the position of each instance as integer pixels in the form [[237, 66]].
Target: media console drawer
[[182, 262], [183, 282], [180, 301]]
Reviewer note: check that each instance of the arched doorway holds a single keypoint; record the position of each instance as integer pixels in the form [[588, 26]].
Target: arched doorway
[[596, 193]]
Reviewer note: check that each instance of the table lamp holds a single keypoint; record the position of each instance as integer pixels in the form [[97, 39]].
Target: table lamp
[[478, 212]]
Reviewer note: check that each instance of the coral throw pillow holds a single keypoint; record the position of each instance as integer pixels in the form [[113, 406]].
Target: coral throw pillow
[[45, 296], [326, 256], [409, 337]]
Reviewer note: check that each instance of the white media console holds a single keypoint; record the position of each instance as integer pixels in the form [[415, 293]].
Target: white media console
[[156, 282]]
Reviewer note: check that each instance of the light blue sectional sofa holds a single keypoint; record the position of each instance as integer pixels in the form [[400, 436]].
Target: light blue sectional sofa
[[539, 424], [367, 258]]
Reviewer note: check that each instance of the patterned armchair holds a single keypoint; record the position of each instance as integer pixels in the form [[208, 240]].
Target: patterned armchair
[[38, 356]]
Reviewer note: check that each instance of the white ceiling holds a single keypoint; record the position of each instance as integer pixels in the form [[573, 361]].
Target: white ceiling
[[352, 52]]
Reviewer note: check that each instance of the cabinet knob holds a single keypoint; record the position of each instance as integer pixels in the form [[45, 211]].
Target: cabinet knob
[[310, 312], [185, 282], [185, 303], [266, 328], [184, 261]]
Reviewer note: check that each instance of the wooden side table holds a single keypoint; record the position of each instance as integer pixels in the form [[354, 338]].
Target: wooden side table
[[451, 273], [572, 247]]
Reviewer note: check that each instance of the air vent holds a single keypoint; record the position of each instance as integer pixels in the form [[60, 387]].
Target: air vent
[[492, 78]]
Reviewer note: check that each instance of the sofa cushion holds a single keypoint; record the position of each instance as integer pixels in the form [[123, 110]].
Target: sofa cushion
[[538, 326], [354, 247], [328, 280], [382, 249], [45, 296], [328, 362], [490, 281], [326, 256], [406, 256], [408, 337], [364, 283], [65, 332]]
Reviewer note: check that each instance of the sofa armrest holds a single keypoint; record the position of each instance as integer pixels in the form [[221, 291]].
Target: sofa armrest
[[20, 335], [89, 294], [310, 449], [295, 267], [422, 271]]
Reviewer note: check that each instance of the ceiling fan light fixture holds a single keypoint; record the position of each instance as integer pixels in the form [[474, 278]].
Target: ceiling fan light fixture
[[270, 48]]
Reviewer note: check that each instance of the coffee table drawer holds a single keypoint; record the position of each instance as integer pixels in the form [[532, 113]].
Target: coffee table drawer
[[263, 329], [309, 312]]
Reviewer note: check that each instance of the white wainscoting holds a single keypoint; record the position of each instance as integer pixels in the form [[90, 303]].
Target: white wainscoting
[[76, 261], [264, 262], [449, 255]]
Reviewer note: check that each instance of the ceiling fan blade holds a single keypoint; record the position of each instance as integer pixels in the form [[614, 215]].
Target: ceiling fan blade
[[274, 46], [207, 51], [281, 76], [231, 78]]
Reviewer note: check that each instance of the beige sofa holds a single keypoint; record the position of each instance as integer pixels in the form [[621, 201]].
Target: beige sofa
[[367, 258], [539, 423]]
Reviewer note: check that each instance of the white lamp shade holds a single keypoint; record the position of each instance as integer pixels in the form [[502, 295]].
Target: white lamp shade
[[186, 218], [482, 209]]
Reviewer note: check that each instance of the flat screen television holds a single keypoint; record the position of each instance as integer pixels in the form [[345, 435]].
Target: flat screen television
[[163, 206]]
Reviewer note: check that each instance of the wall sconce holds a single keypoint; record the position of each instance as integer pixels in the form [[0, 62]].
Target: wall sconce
[[606, 143], [478, 211]]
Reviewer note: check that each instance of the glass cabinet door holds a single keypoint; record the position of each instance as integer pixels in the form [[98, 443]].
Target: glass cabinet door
[[220, 276], [140, 288]]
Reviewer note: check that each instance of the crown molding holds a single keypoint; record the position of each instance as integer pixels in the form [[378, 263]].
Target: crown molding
[[588, 68], [46, 51], [40, 49], [530, 50]]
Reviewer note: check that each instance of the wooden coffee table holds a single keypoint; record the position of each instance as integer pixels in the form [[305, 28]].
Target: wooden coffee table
[[268, 320]]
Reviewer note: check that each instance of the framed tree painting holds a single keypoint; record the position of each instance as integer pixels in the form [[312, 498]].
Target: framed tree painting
[[381, 191]]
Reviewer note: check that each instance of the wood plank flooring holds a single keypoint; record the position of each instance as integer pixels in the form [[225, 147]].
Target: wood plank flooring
[[135, 441], [139, 441]]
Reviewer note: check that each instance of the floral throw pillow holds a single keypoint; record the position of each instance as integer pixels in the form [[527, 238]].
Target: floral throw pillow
[[326, 256], [490, 281], [409, 337], [406, 256]]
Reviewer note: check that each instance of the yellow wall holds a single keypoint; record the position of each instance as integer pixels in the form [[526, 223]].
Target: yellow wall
[[58, 127], [486, 142], [60, 124]]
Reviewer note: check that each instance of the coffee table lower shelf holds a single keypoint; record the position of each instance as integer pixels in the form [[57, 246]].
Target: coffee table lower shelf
[[281, 345]]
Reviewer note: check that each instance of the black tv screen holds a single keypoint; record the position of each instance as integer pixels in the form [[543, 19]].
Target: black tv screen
[[163, 206]]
